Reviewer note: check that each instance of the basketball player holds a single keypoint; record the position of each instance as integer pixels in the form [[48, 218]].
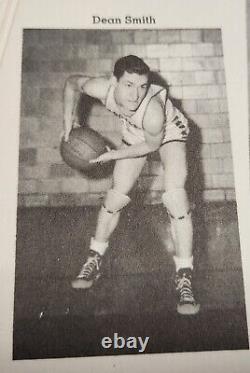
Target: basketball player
[[149, 123]]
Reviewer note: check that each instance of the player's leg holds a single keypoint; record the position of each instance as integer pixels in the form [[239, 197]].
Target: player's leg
[[125, 174], [173, 157]]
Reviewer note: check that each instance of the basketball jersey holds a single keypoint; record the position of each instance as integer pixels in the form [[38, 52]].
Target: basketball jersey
[[132, 127]]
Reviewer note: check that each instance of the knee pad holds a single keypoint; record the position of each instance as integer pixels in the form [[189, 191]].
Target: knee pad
[[177, 204], [115, 201]]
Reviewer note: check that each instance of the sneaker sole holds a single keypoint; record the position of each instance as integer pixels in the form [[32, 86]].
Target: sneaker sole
[[188, 309], [83, 284]]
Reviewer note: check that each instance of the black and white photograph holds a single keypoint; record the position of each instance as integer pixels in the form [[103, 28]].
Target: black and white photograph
[[127, 224]]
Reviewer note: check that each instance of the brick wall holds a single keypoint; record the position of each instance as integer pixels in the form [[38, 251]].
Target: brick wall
[[190, 62]]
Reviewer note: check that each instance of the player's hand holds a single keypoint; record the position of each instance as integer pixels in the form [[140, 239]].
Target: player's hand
[[110, 155], [76, 124], [65, 134]]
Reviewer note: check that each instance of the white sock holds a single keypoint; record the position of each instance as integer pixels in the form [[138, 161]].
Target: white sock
[[99, 247], [183, 262]]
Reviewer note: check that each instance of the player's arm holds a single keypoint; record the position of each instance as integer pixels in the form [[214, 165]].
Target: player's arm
[[153, 125], [75, 86]]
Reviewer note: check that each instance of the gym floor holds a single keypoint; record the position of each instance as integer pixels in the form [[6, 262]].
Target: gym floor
[[135, 296]]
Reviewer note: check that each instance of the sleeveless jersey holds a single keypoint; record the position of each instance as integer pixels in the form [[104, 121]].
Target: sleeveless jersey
[[132, 127]]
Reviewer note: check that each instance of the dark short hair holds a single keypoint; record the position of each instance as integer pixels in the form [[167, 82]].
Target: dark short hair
[[130, 64]]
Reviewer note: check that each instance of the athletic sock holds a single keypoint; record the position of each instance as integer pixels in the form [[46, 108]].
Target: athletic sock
[[99, 247], [183, 262]]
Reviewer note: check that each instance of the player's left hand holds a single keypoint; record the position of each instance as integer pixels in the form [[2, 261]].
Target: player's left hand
[[110, 155]]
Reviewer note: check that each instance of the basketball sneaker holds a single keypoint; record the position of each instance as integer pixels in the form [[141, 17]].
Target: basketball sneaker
[[187, 304], [89, 273]]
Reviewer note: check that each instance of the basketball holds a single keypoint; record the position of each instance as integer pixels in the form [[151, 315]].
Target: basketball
[[83, 145]]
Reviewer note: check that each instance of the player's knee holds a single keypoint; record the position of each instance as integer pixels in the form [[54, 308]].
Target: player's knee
[[115, 201], [176, 202]]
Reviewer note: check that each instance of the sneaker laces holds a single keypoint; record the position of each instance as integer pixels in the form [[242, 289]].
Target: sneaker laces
[[184, 287], [92, 263]]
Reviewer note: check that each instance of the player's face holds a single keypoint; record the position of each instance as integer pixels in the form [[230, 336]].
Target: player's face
[[130, 90]]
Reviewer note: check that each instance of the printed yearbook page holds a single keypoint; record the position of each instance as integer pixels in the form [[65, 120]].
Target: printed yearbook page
[[125, 187]]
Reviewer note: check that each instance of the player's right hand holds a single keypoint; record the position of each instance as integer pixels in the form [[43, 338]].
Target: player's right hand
[[66, 132], [64, 135]]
